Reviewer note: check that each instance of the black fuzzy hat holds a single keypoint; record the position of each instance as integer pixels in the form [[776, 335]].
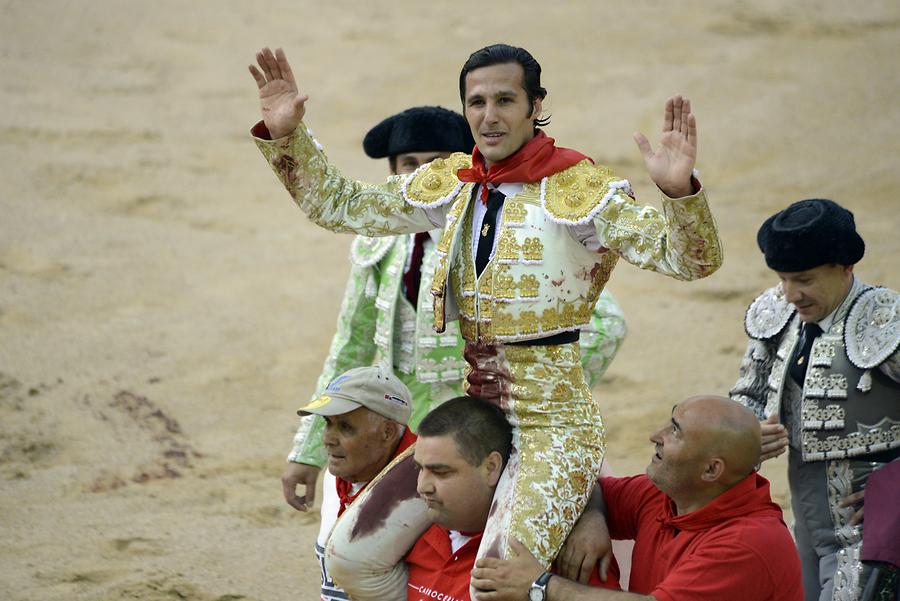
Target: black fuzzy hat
[[419, 129], [810, 233]]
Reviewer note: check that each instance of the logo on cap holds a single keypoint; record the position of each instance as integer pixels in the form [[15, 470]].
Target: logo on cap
[[396, 399], [319, 402], [335, 385]]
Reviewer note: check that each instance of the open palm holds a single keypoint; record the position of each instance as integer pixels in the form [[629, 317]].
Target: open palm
[[282, 104], [671, 164]]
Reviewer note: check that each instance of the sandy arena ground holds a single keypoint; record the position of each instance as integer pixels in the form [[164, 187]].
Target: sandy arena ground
[[164, 307]]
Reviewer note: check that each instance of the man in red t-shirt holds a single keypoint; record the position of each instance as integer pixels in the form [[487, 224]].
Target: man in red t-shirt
[[703, 522], [461, 451]]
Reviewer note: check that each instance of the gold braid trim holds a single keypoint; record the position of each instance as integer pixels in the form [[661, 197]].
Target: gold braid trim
[[435, 183], [576, 194]]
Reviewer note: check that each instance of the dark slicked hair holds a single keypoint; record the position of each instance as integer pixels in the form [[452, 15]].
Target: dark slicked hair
[[478, 427], [501, 54]]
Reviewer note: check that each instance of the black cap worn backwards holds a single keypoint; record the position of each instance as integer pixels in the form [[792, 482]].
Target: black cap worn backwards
[[419, 129], [810, 233]]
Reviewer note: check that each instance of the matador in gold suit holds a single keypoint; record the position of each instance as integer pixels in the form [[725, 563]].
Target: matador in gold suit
[[557, 235]]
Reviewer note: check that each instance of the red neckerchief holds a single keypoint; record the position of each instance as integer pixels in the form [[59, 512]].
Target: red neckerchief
[[537, 159], [344, 487]]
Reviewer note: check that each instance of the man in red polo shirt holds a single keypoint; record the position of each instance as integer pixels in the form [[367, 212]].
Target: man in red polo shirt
[[703, 522], [462, 448]]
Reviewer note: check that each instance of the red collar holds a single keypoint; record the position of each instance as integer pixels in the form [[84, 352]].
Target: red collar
[[537, 159], [749, 496]]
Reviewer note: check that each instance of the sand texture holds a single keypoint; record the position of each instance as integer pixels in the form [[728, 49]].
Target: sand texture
[[164, 307]]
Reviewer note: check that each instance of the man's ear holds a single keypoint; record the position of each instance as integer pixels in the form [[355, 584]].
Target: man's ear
[[536, 108], [493, 465], [390, 430], [713, 470]]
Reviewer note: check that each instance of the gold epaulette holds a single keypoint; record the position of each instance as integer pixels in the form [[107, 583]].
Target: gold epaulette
[[435, 183], [575, 195]]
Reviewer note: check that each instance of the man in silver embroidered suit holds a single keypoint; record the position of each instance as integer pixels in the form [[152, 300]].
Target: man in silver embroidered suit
[[822, 371]]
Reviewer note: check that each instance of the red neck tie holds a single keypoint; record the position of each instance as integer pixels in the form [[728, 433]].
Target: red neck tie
[[413, 276]]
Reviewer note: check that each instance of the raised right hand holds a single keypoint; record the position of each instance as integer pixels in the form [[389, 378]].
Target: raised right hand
[[282, 104], [299, 473]]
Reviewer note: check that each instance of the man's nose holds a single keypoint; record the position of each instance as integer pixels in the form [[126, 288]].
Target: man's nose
[[423, 484], [328, 438], [490, 112], [791, 292]]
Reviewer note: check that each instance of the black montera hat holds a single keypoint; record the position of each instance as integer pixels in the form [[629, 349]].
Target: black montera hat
[[419, 129], [810, 233]]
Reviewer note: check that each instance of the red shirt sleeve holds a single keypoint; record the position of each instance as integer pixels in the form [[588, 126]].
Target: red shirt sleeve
[[626, 499]]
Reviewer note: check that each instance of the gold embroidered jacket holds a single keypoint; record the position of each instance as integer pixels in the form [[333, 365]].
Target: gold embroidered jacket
[[541, 280]]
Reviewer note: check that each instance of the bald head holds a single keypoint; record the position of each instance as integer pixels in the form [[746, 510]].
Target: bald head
[[709, 444], [728, 430]]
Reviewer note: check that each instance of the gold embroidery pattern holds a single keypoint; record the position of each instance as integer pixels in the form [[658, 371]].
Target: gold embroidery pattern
[[635, 231], [331, 200], [572, 194], [561, 444], [507, 281], [514, 213], [533, 250], [459, 205], [438, 179], [510, 251], [464, 287], [695, 238], [506, 326], [438, 289], [507, 248]]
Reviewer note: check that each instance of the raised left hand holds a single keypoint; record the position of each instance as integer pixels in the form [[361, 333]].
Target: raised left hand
[[506, 579], [671, 165]]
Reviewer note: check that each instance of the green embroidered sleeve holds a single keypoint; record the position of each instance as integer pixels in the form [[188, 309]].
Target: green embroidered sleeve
[[352, 346], [333, 201], [602, 337]]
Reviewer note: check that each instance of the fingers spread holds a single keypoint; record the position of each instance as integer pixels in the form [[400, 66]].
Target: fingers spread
[[262, 59], [643, 145], [284, 66], [259, 77], [272, 62], [677, 106], [669, 114]]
